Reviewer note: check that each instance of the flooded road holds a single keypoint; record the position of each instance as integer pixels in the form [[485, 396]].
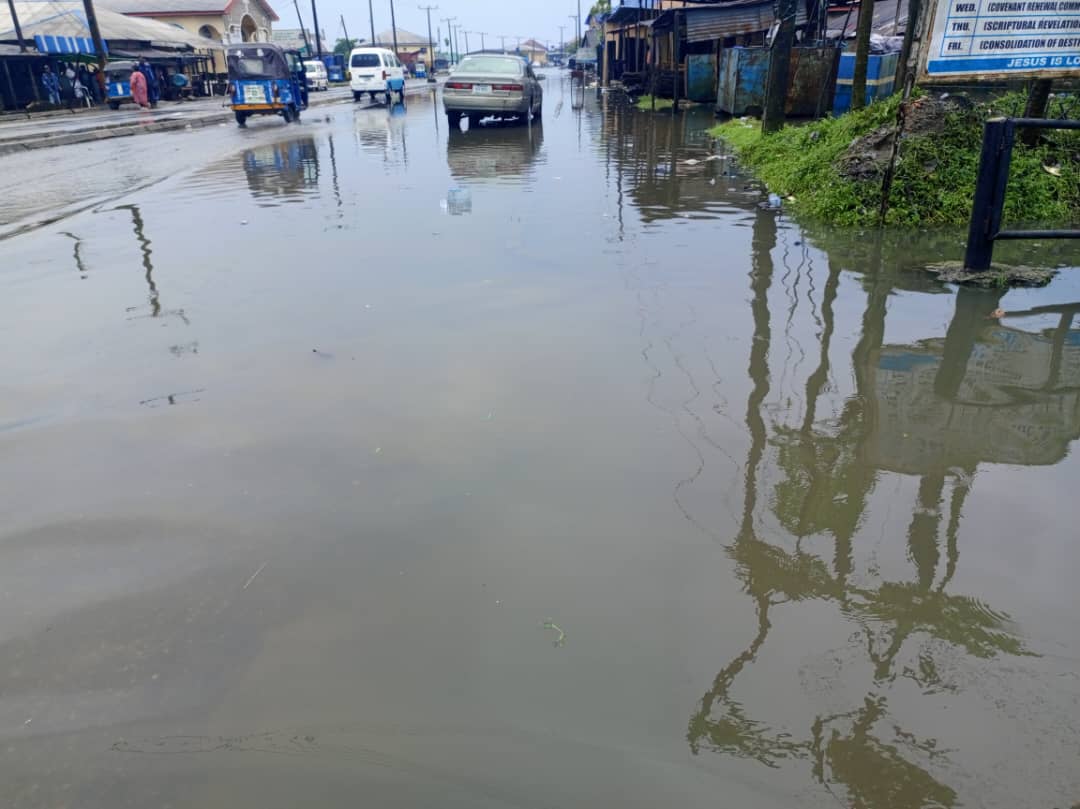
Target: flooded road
[[367, 463]]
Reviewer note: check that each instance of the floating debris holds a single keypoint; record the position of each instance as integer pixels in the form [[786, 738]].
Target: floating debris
[[560, 639]]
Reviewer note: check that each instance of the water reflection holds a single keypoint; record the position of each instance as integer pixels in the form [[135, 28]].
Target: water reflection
[[935, 409], [282, 172], [495, 152]]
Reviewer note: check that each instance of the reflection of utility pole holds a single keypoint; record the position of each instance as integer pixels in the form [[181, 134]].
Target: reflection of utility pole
[[450, 35], [431, 43]]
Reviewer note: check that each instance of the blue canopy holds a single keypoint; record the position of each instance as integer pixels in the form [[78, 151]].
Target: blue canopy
[[71, 45]]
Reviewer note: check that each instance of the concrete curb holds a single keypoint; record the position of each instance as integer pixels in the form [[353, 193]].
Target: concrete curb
[[127, 130]]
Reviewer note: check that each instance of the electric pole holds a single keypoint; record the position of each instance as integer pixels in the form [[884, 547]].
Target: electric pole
[[562, 40], [577, 20], [450, 34], [466, 33], [457, 42], [318, 37], [346, 30], [99, 43], [431, 42], [780, 66], [18, 28], [303, 30], [393, 26], [371, 16], [502, 37], [483, 43]]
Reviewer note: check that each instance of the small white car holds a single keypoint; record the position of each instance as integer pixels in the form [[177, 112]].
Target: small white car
[[376, 71], [317, 78]]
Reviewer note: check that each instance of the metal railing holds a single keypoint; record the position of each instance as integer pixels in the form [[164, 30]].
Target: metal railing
[[999, 137]]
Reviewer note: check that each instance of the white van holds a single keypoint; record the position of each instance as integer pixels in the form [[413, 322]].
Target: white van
[[376, 71], [317, 77]]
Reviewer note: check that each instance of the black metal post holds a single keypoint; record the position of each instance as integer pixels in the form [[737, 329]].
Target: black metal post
[[393, 26], [989, 190], [99, 44], [371, 18], [18, 28], [318, 36]]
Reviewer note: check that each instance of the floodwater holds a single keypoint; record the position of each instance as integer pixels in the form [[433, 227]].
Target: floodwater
[[363, 463]]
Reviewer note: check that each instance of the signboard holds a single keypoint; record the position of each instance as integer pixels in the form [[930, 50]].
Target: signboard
[[1003, 38]]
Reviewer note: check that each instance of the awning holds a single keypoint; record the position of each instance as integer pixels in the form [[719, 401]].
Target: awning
[[72, 45], [727, 20]]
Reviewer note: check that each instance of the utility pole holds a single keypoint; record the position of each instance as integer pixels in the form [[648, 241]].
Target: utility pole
[[99, 43], [431, 43], [780, 67], [502, 37], [577, 20], [346, 30], [862, 53], [483, 42], [450, 34], [466, 33], [393, 26], [371, 16], [18, 28], [303, 30], [562, 40], [318, 37]]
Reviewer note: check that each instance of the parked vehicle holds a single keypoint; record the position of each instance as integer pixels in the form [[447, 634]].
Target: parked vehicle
[[335, 67], [118, 82], [492, 85], [317, 76], [264, 79], [376, 71]]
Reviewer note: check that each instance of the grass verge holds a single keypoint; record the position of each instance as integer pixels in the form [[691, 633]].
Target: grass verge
[[935, 171], [646, 101]]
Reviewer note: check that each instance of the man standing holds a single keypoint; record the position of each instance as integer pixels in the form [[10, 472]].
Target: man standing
[[51, 85]]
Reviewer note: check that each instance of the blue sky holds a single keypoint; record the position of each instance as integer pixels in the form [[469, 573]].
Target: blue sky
[[526, 18]]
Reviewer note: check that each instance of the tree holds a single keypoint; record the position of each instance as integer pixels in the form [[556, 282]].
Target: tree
[[344, 46], [600, 7], [862, 53]]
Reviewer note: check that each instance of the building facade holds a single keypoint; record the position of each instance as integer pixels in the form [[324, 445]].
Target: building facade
[[224, 21]]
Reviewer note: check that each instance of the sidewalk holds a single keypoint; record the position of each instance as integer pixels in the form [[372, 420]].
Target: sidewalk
[[22, 133]]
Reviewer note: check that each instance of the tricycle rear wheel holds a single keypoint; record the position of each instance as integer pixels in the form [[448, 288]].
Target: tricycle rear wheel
[[241, 119], [114, 105]]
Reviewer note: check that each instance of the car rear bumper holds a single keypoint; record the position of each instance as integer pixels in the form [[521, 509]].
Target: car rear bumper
[[496, 105]]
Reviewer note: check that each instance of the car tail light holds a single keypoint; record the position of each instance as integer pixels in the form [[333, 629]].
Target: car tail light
[[385, 75], [458, 85], [510, 88]]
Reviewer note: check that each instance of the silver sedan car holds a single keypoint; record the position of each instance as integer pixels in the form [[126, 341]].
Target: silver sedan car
[[497, 85]]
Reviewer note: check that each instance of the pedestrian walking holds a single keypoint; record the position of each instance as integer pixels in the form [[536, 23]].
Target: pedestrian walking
[[139, 90], [51, 84], [153, 89]]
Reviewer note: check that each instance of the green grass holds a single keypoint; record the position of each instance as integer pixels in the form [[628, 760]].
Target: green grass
[[645, 103], [935, 174]]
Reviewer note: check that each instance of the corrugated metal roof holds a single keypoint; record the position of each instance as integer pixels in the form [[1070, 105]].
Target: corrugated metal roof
[[713, 22], [403, 38], [66, 18]]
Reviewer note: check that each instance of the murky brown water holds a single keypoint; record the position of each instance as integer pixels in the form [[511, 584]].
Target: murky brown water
[[372, 464]]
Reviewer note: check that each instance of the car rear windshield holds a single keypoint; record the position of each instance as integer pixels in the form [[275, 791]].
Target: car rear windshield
[[491, 64], [365, 60]]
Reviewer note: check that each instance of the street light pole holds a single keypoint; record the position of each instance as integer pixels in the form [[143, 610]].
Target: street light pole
[[431, 42], [450, 35]]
